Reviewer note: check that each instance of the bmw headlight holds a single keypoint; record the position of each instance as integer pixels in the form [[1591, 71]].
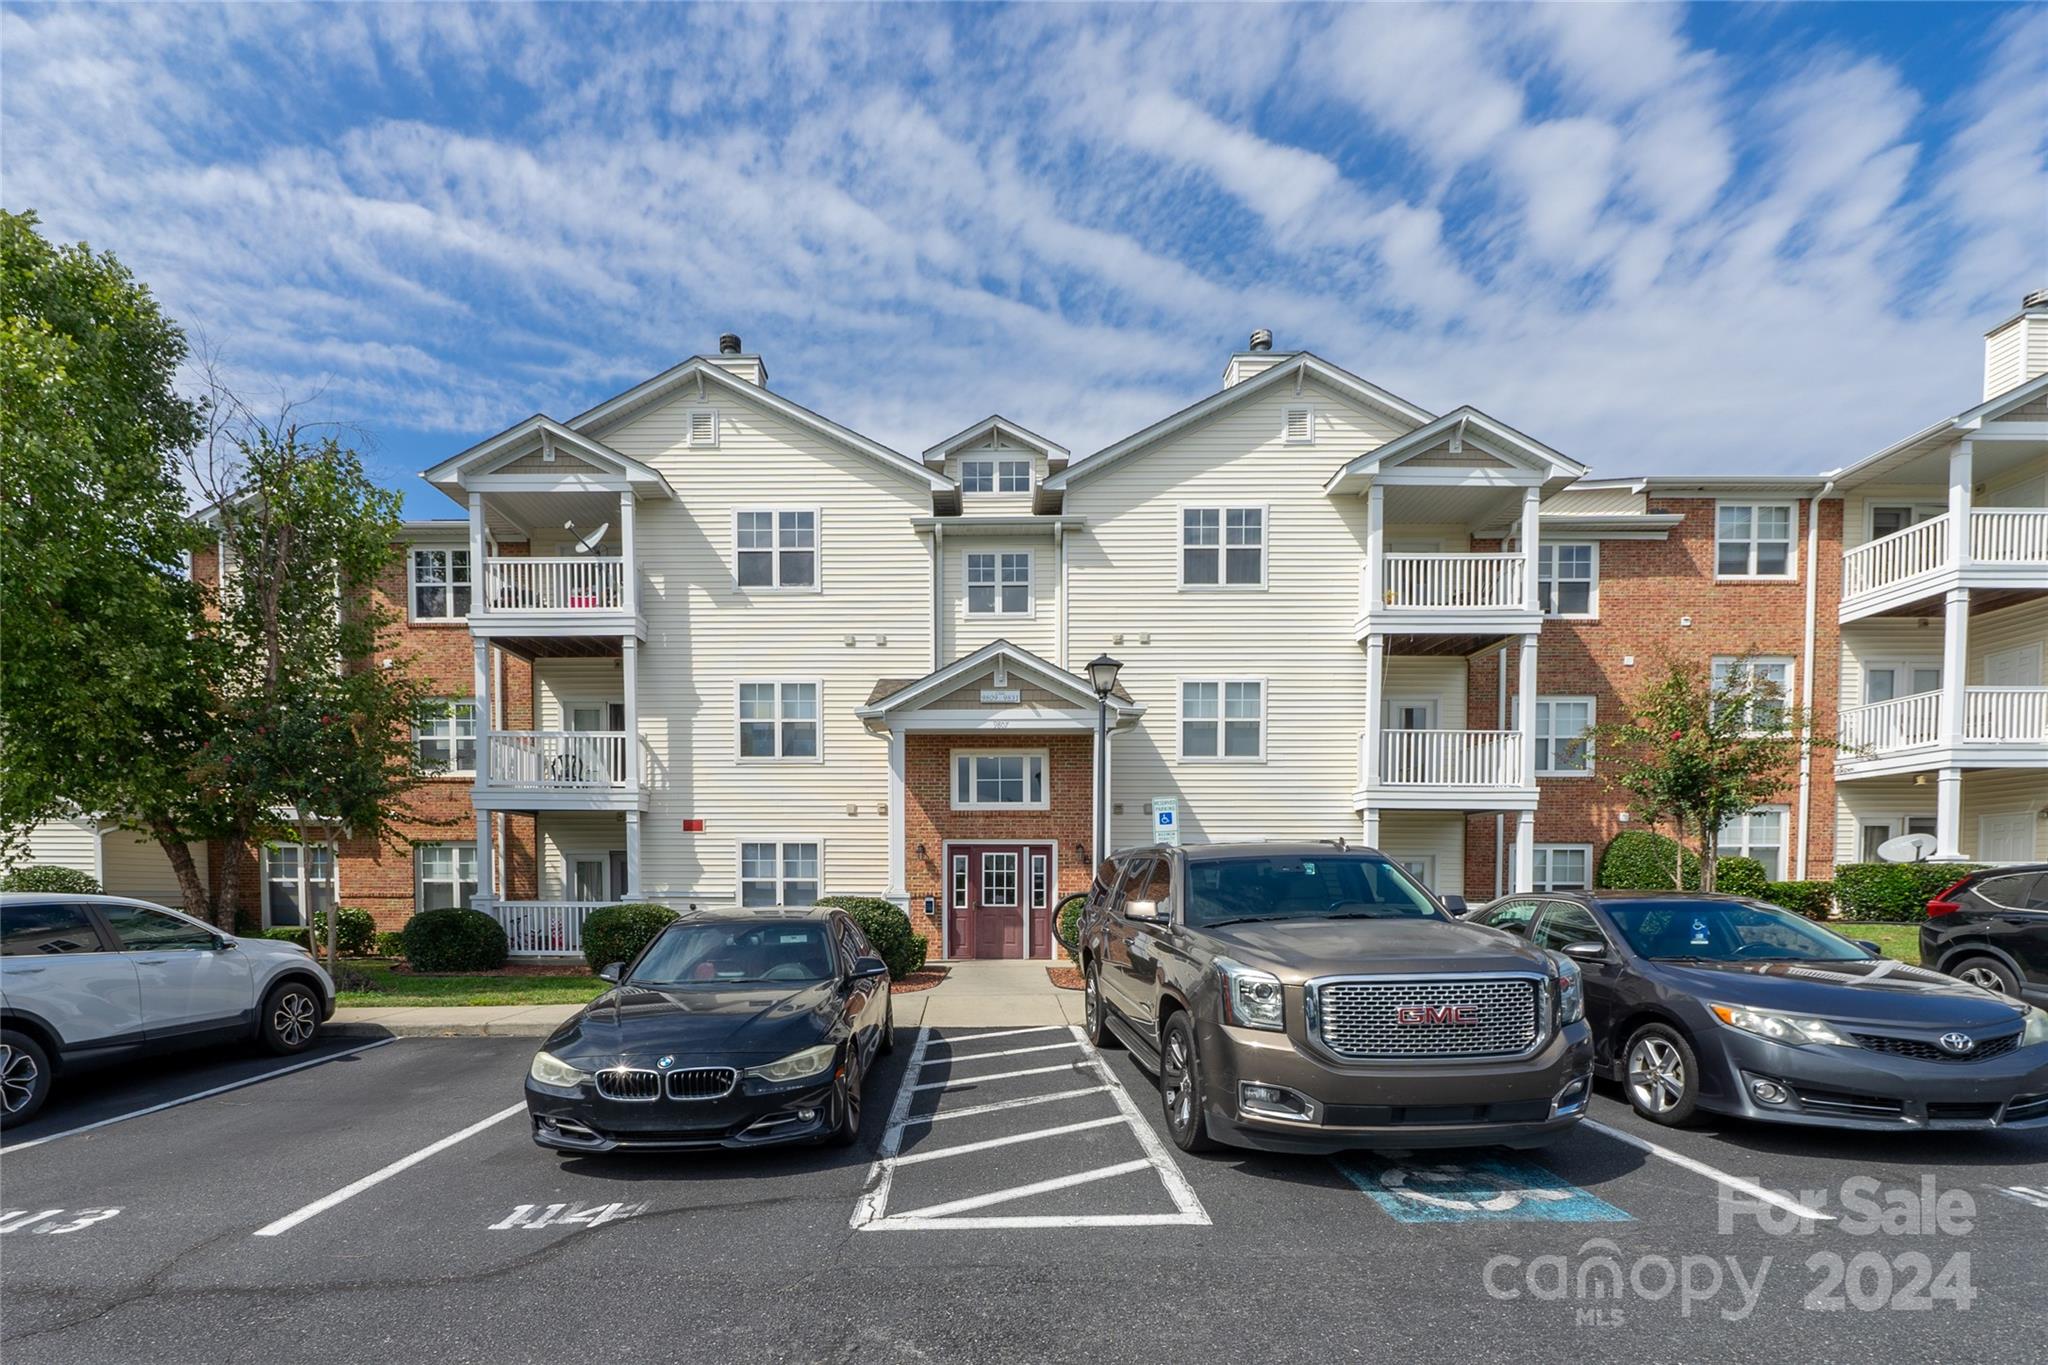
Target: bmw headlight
[[1779, 1028], [1251, 998], [548, 1069], [2035, 1030], [1571, 990], [797, 1066]]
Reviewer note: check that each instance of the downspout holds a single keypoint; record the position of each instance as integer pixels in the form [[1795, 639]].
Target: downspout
[[1806, 677], [938, 597], [1500, 819]]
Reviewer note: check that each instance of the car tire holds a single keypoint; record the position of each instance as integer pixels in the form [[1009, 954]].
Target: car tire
[[888, 1043], [1660, 1073], [1094, 1014], [24, 1077], [290, 1019], [1987, 972], [1180, 1086], [846, 1131]]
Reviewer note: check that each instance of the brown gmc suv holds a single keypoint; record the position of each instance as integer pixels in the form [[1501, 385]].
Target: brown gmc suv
[[1312, 997]]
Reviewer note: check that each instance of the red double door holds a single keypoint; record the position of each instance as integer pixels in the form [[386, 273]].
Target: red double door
[[999, 899]]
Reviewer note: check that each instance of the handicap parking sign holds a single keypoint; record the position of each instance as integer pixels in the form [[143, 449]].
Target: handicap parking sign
[[1166, 820]]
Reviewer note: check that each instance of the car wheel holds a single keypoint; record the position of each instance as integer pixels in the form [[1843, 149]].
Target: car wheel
[[1987, 972], [1180, 1086], [24, 1077], [888, 1043], [291, 1018], [847, 1131], [1662, 1076], [1094, 1020]]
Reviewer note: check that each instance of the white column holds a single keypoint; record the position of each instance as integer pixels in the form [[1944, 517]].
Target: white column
[[1948, 815], [1375, 547], [1525, 852], [1955, 656], [1371, 822], [629, 679], [631, 890], [1525, 712], [1959, 476], [898, 889], [938, 598], [629, 570], [1532, 505], [1375, 690], [479, 579], [481, 658], [1059, 642]]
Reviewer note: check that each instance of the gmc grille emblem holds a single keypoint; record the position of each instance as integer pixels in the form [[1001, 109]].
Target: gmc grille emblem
[[1436, 1014]]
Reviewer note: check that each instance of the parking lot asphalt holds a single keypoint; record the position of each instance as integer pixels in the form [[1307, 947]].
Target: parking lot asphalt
[[1014, 1198]]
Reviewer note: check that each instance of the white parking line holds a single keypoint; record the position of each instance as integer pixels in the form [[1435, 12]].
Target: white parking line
[[1008, 1140], [203, 1094], [1058, 1182], [957, 1081], [347, 1192], [1000, 1105], [1006, 1052], [1003, 1033], [1733, 1182]]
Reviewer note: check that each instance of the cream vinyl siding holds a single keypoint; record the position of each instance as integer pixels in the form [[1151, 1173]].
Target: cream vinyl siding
[[1886, 640], [562, 683], [2004, 793], [63, 843], [1436, 834], [1441, 678], [584, 833], [1296, 633], [1038, 632], [136, 865], [1587, 502], [1856, 507], [704, 634], [1984, 793], [2019, 488], [973, 503], [1995, 632]]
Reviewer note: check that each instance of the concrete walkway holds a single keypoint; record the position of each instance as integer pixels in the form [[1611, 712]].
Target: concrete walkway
[[973, 995]]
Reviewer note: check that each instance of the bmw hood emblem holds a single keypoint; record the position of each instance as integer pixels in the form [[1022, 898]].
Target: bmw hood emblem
[[1958, 1043], [668, 1061]]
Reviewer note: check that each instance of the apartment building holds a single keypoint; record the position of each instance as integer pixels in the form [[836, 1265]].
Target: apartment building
[[722, 650]]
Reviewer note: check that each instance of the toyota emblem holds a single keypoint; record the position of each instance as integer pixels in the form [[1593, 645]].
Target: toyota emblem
[[1958, 1043]]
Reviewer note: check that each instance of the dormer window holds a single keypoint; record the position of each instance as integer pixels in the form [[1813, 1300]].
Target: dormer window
[[1298, 426], [703, 428], [995, 476]]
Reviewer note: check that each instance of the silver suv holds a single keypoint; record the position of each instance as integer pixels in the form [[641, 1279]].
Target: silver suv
[[86, 980]]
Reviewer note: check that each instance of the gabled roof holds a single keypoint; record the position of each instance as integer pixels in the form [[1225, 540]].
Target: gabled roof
[[1301, 365], [997, 425], [1460, 426], [701, 373], [541, 433], [897, 694], [1940, 433]]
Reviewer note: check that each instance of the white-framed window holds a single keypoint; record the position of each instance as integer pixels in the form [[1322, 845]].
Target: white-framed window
[[703, 425], [1223, 547], [998, 880], [780, 873], [1893, 679], [1568, 578], [447, 876], [444, 736], [779, 721], [1298, 426], [1888, 518], [960, 881], [1041, 881], [995, 476], [1770, 681], [281, 908], [1874, 833], [1754, 539], [1564, 867], [1564, 745], [1223, 719], [1000, 780], [438, 584], [776, 548], [999, 583], [1758, 834]]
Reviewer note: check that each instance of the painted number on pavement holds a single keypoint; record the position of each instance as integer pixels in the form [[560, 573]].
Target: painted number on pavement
[[1474, 1189], [533, 1216], [54, 1222]]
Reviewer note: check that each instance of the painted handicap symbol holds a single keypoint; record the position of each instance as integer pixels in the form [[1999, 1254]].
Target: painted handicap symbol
[[1473, 1189], [1471, 1186]]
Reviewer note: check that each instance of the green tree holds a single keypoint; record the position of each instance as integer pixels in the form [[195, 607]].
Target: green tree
[[1699, 751], [103, 677]]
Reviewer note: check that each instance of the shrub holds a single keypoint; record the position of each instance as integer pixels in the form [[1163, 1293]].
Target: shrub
[[355, 930], [888, 928], [57, 881], [1740, 876], [283, 934], [1893, 892], [1642, 860], [454, 941], [1811, 899], [617, 933], [1067, 919], [390, 943]]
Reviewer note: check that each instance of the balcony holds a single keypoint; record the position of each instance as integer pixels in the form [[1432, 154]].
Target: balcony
[[554, 595], [542, 928], [1446, 769], [1441, 593], [2003, 727], [2006, 547], [557, 770]]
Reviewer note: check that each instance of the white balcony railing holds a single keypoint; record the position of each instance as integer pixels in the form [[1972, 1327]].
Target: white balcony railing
[[1875, 565], [543, 928], [560, 583], [550, 760], [1886, 727], [2011, 715], [1445, 758], [2009, 535], [1450, 582]]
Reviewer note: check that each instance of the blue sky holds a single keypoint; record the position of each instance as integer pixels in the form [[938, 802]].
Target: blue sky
[[1661, 239]]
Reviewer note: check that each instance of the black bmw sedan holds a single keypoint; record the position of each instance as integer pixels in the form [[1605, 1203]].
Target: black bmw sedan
[[729, 1030], [1717, 1003]]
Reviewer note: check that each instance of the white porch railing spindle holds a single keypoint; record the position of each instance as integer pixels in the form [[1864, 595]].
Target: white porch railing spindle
[[1450, 581], [551, 759], [2013, 715], [1884, 727], [554, 583], [544, 928], [1921, 548], [2009, 535], [1449, 758]]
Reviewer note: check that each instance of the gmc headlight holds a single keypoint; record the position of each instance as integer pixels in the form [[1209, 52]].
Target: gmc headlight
[[1779, 1028], [1251, 999], [1571, 990], [548, 1069], [2036, 1028], [797, 1066]]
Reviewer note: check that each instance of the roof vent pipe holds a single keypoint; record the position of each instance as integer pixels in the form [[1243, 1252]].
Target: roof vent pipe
[[1262, 340], [729, 344]]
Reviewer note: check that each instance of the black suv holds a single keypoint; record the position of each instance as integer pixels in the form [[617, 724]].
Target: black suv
[[1991, 930]]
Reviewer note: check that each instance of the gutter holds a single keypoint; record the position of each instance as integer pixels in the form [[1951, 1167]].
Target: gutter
[[1806, 676]]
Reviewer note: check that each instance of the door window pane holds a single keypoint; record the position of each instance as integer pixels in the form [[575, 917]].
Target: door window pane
[[46, 930], [998, 879], [144, 930]]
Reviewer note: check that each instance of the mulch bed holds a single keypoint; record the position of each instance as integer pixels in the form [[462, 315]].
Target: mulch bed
[[918, 981], [1066, 978]]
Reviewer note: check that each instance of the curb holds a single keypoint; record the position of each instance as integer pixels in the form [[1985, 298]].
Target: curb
[[534, 1029]]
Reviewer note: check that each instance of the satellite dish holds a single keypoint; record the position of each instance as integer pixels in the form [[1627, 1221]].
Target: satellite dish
[[591, 541], [1908, 848]]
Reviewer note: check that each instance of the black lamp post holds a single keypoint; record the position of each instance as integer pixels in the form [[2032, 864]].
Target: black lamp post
[[1102, 671]]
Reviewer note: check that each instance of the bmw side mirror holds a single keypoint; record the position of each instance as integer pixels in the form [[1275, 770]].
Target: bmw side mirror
[[1147, 911], [1874, 949], [1456, 905], [1591, 950], [868, 968], [612, 972]]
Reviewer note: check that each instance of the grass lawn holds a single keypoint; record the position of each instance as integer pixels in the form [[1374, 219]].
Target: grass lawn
[[388, 987], [1901, 941]]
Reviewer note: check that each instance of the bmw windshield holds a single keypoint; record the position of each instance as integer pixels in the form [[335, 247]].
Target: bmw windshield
[[1312, 886], [1726, 931], [712, 954]]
